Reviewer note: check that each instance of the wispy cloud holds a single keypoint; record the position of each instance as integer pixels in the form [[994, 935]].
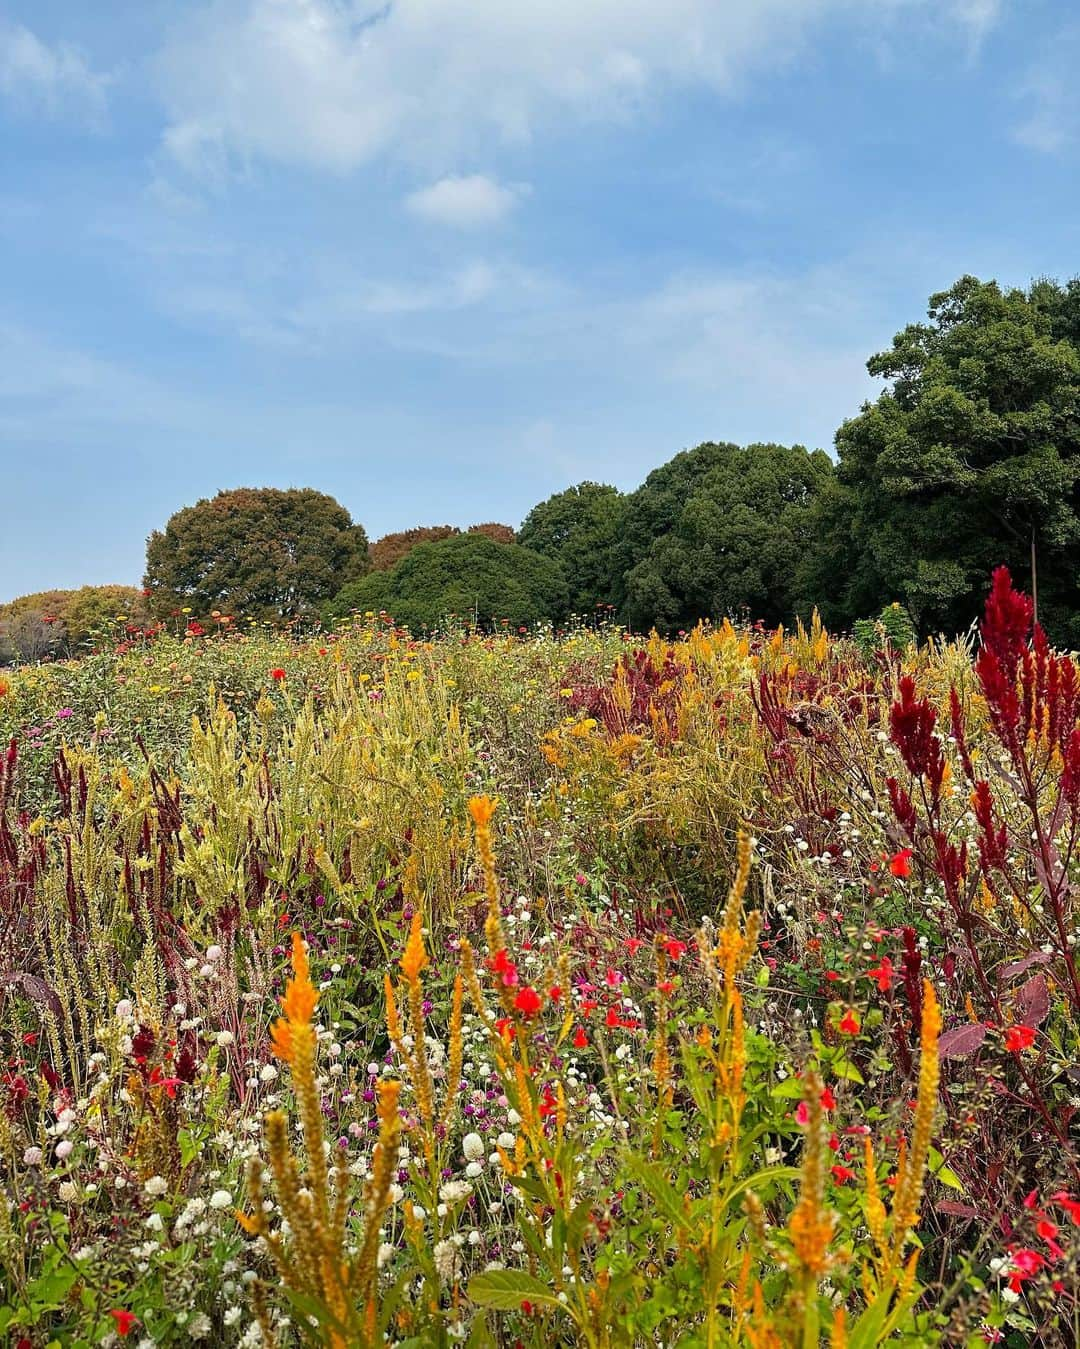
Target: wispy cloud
[[1051, 97], [468, 202], [39, 78], [332, 83]]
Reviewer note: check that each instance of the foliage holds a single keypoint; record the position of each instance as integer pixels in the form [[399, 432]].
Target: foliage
[[470, 576], [717, 531], [67, 622], [591, 1065], [892, 628], [386, 552], [578, 528], [968, 459], [260, 552]]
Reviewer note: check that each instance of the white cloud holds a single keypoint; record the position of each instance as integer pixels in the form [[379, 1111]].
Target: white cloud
[[333, 83], [464, 202], [37, 76], [1052, 100]]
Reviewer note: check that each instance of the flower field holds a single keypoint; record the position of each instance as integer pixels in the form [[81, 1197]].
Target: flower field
[[542, 989]]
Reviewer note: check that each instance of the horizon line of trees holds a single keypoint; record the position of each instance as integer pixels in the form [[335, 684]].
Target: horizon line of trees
[[968, 458]]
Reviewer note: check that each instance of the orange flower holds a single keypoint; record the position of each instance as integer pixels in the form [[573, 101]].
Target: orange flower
[[297, 1004], [415, 958], [5, 687], [481, 808]]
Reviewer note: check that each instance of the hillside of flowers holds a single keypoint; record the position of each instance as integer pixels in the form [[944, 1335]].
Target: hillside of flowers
[[542, 989]]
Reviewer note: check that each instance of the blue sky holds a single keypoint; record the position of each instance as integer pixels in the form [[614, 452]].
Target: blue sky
[[441, 258]]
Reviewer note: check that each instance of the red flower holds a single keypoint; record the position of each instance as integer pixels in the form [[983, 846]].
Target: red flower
[[278, 674], [1018, 1038], [842, 1173], [528, 1001], [900, 863], [502, 964], [124, 1320], [581, 1040], [1070, 1205], [850, 1024], [828, 1100], [883, 974], [675, 949]]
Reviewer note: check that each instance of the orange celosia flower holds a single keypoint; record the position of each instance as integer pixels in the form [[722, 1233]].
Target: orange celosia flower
[[481, 808], [297, 1004], [415, 958]]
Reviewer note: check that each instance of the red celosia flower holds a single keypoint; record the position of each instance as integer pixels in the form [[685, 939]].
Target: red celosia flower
[[1018, 1038], [581, 1040], [850, 1023], [528, 1001], [841, 1174], [555, 993], [674, 948], [124, 1320], [900, 863], [278, 674]]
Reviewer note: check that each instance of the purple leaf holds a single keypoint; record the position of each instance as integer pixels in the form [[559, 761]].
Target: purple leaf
[[1019, 966], [962, 1042], [1033, 1001]]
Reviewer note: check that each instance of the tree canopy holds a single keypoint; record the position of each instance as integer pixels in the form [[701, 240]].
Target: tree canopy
[[969, 458], [262, 552], [66, 622], [470, 575], [717, 530], [578, 529], [391, 548]]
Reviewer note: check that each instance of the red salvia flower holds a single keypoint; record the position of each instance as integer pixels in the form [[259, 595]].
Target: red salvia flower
[[900, 863], [528, 1001], [124, 1320], [1018, 1038]]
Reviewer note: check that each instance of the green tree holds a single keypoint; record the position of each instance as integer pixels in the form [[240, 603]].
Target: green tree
[[258, 552], [969, 458], [718, 530], [468, 575], [578, 528]]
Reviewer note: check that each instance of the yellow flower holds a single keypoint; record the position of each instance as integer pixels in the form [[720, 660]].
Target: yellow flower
[[415, 958]]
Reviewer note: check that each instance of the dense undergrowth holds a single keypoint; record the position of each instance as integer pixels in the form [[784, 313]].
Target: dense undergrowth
[[542, 990]]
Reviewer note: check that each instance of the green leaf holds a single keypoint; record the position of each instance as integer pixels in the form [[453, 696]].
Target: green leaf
[[942, 1173], [507, 1289]]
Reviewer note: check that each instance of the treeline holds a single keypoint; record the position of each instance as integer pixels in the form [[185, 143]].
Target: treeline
[[968, 458]]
